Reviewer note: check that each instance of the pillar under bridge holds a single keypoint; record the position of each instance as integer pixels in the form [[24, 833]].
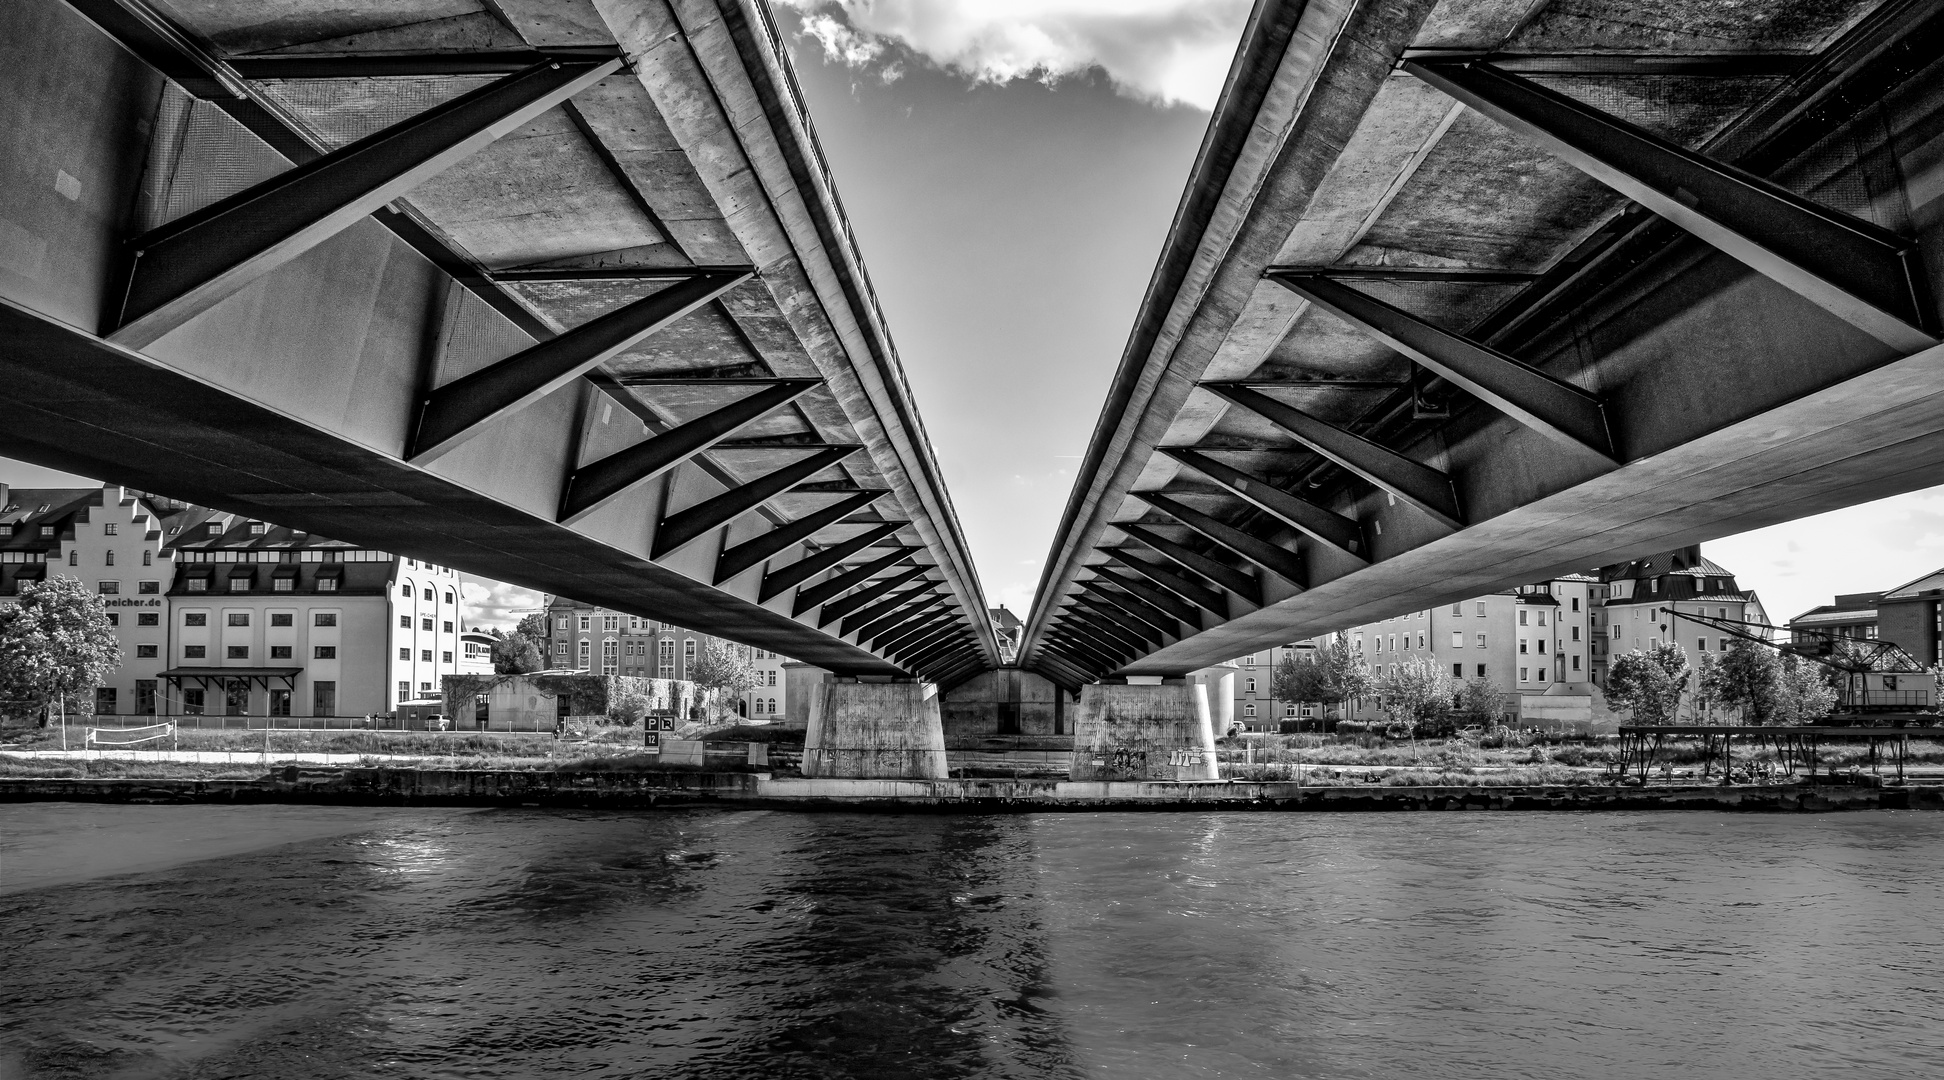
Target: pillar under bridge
[[1144, 732], [875, 731]]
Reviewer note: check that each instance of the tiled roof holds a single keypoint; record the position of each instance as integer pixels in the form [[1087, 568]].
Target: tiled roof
[[1834, 615]]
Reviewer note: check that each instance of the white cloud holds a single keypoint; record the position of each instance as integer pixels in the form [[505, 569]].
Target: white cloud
[[495, 603], [1173, 52], [1868, 548]]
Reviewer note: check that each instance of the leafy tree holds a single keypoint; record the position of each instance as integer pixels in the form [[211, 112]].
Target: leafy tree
[[533, 628], [1643, 684], [57, 643], [1802, 695], [1348, 675], [1485, 700], [1303, 678], [1707, 690], [515, 654], [723, 668], [1750, 678], [1419, 693], [628, 706]]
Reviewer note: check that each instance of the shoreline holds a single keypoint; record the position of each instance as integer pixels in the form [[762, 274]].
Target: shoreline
[[750, 790]]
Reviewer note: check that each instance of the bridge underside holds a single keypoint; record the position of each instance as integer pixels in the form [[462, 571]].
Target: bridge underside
[[558, 294], [1464, 294]]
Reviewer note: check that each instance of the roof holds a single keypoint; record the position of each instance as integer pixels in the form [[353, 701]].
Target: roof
[[1830, 614], [1697, 565], [1917, 587], [232, 673]]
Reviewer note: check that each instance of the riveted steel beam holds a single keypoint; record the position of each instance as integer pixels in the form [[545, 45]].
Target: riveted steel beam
[[834, 610], [750, 552], [594, 484], [1323, 526], [1175, 581], [1221, 573], [1280, 561], [1418, 484], [189, 265], [1554, 408], [810, 596], [457, 411], [1862, 273], [697, 521], [781, 578]]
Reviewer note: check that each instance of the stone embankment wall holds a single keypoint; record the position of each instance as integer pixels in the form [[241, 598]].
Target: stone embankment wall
[[674, 788]]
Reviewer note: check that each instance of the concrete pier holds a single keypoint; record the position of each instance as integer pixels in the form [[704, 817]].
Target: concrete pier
[[1157, 732], [875, 731]]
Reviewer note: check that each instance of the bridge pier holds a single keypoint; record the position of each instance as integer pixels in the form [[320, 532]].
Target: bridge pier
[[875, 731], [1144, 732]]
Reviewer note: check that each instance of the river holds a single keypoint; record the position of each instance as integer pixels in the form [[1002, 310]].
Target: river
[[297, 942]]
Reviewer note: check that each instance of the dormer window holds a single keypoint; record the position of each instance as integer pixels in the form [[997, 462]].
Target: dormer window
[[6, 531], [258, 528], [47, 532], [215, 528]]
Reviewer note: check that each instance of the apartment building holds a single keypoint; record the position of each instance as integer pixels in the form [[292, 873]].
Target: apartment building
[[584, 637], [1641, 593]]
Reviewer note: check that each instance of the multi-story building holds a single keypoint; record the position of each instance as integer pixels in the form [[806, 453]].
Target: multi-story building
[[220, 614], [111, 539], [475, 652], [1852, 615], [1524, 640], [1642, 592], [583, 637]]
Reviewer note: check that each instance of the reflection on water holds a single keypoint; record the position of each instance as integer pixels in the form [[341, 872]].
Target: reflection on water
[[726, 944]]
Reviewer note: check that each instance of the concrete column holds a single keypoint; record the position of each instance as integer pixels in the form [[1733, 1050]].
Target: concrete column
[[1143, 733], [878, 731]]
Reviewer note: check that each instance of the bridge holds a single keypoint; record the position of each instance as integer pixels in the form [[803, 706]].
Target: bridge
[[1463, 294], [555, 293]]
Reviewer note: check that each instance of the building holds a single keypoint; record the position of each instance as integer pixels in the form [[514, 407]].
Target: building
[[1851, 615], [584, 637], [476, 652], [220, 614], [111, 539], [1912, 615], [1641, 592], [1009, 629]]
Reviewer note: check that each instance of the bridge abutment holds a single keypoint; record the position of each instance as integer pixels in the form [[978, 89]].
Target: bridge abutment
[[1143, 732], [875, 731]]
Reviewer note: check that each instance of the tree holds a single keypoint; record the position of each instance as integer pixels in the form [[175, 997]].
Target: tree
[[1750, 678], [1348, 674], [1647, 685], [1485, 700], [723, 668], [1302, 677], [57, 643], [1707, 690], [515, 654], [1803, 695], [1420, 693], [533, 628]]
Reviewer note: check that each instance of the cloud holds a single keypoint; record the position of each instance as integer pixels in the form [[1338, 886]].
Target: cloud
[[1171, 52], [495, 603], [1867, 548]]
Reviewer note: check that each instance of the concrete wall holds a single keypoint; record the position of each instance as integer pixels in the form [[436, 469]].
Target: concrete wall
[[801, 684], [1008, 701], [1143, 733], [875, 730], [1912, 624]]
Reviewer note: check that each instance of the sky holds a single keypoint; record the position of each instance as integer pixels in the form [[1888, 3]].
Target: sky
[[1010, 169]]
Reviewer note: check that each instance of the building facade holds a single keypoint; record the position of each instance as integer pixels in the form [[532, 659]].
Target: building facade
[[1641, 593], [583, 637], [1851, 615], [224, 615]]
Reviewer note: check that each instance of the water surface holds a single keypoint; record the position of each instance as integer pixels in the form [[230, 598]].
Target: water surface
[[435, 943]]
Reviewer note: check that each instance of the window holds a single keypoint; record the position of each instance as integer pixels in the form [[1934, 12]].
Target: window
[[47, 532], [109, 528], [109, 558], [448, 598], [425, 687], [447, 626], [327, 584], [148, 588], [1481, 671], [147, 652], [239, 584], [192, 702], [772, 678], [425, 624], [445, 657], [1576, 666], [145, 696], [584, 619], [148, 558], [1250, 687], [237, 652], [1481, 641], [148, 618], [1457, 609], [1723, 645], [279, 703], [560, 623], [215, 528], [610, 654], [1575, 603], [257, 528], [404, 622], [1457, 671], [283, 583], [1457, 639], [610, 623], [404, 691], [405, 655], [665, 658], [239, 618], [560, 649], [280, 618], [585, 648], [5, 531], [198, 584], [1522, 645], [324, 652], [196, 618], [405, 591], [114, 619], [109, 588], [1522, 617], [1523, 675], [1542, 618], [1542, 645], [425, 655], [194, 652]]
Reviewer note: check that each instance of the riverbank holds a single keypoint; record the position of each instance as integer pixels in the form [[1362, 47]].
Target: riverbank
[[676, 788]]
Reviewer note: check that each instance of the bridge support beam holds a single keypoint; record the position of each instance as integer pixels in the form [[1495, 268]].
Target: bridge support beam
[[1160, 732], [875, 731]]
